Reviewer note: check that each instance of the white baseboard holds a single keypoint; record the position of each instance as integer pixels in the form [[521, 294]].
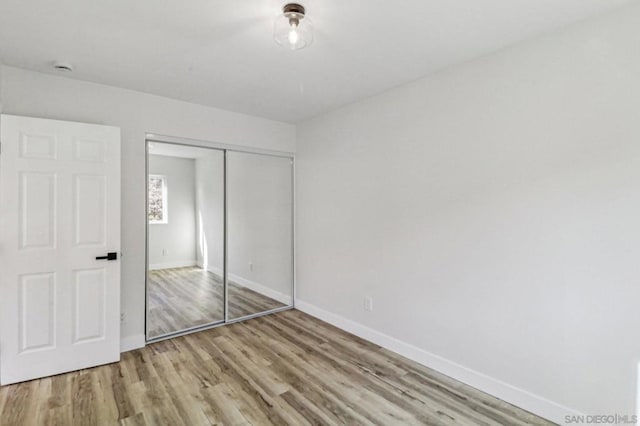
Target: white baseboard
[[262, 289], [504, 391], [170, 265], [131, 343], [213, 269], [252, 285]]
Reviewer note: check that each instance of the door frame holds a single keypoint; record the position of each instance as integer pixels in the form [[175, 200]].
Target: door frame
[[225, 148]]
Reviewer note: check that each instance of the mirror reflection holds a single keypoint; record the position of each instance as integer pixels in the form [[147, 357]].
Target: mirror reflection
[[185, 286], [260, 226]]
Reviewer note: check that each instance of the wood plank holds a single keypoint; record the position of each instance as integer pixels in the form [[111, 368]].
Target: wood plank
[[173, 308], [286, 368]]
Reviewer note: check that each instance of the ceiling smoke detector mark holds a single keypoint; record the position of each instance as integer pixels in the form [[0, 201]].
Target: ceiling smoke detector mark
[[63, 66]]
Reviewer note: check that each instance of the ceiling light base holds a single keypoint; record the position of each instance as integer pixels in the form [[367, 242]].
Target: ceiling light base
[[293, 8]]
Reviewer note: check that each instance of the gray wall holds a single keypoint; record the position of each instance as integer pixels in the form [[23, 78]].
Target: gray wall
[[173, 244], [210, 211], [260, 223], [492, 212]]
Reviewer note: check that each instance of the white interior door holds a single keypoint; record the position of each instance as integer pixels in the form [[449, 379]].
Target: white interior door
[[59, 211]]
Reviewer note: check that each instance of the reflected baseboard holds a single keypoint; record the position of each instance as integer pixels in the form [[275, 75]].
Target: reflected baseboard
[[213, 269], [171, 265], [252, 285], [260, 288]]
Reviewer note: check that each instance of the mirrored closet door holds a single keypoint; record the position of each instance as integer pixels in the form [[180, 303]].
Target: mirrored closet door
[[185, 238], [219, 236], [260, 225]]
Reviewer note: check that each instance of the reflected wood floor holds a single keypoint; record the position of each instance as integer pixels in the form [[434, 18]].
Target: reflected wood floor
[[181, 298], [285, 368]]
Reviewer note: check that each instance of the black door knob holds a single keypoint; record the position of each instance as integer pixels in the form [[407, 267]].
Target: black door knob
[[109, 256]]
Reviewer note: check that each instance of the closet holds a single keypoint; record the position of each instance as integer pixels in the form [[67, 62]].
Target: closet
[[219, 235]]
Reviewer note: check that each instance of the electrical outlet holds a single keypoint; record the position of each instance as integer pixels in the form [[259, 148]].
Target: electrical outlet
[[251, 267], [368, 303], [164, 252], [123, 317]]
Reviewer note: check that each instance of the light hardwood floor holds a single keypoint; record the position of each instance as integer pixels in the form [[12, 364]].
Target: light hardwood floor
[[285, 368], [182, 298]]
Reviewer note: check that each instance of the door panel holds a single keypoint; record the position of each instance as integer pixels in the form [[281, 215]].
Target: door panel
[[88, 150], [90, 202], [37, 146], [260, 233], [59, 210], [37, 306], [89, 298], [37, 210]]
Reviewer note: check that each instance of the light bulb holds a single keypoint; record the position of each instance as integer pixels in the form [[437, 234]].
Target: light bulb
[[293, 37], [292, 29]]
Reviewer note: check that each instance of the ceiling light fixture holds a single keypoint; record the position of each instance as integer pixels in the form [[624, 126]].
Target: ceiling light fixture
[[292, 28]]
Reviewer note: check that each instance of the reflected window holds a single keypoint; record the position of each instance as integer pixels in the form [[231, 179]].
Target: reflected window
[[158, 199]]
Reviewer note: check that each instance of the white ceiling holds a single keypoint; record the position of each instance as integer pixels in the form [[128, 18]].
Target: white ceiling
[[221, 52]]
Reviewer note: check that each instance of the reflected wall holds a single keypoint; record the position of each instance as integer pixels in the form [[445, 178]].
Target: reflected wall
[[260, 225]]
